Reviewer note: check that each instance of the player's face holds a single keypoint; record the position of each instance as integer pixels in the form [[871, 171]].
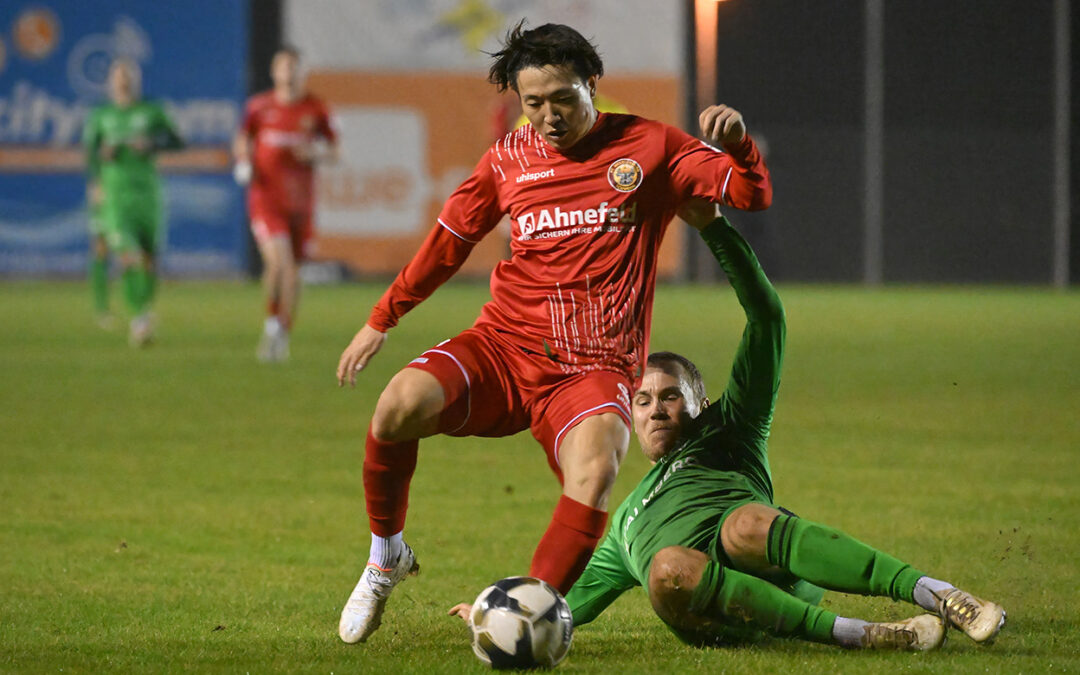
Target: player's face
[[285, 70], [123, 82], [558, 103], [661, 411]]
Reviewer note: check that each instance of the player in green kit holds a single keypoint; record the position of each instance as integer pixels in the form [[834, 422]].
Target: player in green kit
[[122, 139], [701, 531]]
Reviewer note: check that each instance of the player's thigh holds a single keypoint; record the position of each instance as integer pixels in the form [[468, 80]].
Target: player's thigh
[[270, 229], [584, 425], [120, 236], [148, 232], [301, 235], [479, 397], [409, 407], [744, 530]]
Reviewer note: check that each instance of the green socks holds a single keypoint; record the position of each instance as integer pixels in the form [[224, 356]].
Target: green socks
[[735, 598], [99, 284], [139, 285], [831, 559]]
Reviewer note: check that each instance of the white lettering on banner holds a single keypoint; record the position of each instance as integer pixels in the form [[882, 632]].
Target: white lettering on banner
[[32, 116], [551, 223]]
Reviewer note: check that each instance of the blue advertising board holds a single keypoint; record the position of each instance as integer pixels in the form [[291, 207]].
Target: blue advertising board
[[54, 57]]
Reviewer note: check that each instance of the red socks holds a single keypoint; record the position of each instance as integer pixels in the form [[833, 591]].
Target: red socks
[[388, 469], [570, 540]]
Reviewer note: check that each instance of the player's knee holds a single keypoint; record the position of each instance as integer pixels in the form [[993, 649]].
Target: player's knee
[[389, 421], [288, 263], [673, 576]]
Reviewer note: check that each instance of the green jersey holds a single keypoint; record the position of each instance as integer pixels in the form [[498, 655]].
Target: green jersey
[[129, 137], [123, 128], [722, 460]]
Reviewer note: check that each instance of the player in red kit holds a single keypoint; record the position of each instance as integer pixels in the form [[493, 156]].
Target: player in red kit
[[285, 132], [562, 342]]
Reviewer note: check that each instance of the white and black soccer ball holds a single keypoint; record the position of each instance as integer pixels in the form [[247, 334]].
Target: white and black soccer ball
[[521, 622]]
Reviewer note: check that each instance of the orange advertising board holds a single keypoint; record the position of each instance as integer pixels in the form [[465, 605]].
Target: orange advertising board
[[409, 139]]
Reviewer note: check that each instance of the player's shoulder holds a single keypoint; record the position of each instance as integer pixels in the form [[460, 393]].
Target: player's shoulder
[[626, 126], [261, 100], [152, 104], [630, 120], [313, 100]]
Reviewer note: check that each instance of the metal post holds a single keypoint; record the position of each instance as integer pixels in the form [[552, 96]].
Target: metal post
[[1062, 100], [873, 144]]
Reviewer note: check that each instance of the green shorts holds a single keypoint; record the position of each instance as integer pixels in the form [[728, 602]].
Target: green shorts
[[132, 224]]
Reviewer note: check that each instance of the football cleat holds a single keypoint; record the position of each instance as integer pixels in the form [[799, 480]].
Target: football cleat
[[917, 634], [979, 619], [363, 612], [141, 330], [274, 343]]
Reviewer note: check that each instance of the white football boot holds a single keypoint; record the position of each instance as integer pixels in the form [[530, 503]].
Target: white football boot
[[269, 343], [363, 612], [979, 619], [917, 634], [141, 333]]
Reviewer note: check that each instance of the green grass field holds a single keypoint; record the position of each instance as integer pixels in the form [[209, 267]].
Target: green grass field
[[186, 508]]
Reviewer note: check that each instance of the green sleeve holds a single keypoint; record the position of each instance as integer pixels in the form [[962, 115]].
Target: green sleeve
[[164, 135], [755, 375], [605, 578], [91, 143]]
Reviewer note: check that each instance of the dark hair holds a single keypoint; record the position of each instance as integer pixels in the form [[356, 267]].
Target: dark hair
[[690, 373], [288, 49], [552, 44]]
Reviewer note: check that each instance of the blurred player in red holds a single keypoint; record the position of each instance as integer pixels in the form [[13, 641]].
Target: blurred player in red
[[561, 345], [286, 131]]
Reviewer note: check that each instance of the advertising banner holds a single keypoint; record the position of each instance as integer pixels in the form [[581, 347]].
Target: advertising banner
[[54, 58]]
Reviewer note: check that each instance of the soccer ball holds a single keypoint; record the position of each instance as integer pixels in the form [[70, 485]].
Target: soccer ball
[[521, 622]]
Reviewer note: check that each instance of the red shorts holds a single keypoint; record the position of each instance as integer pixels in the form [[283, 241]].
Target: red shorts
[[297, 226], [495, 389]]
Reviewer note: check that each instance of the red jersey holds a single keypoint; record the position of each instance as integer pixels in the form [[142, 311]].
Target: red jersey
[[586, 227], [281, 180]]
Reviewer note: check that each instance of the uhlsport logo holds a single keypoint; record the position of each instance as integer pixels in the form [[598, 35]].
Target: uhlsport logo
[[529, 176], [624, 175]]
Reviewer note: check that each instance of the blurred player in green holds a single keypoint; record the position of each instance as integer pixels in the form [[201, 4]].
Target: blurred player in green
[[122, 139], [701, 532]]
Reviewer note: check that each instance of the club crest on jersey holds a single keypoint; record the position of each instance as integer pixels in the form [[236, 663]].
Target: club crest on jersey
[[624, 175]]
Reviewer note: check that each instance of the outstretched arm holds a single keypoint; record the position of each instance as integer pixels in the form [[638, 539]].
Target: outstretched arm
[[441, 255], [755, 375], [470, 213], [605, 578]]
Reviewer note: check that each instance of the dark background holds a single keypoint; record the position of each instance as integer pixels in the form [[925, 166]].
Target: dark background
[[968, 156]]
